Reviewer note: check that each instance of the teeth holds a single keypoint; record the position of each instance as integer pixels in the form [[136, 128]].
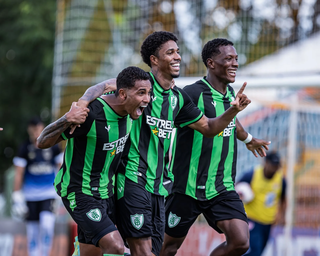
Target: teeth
[[176, 65], [143, 106]]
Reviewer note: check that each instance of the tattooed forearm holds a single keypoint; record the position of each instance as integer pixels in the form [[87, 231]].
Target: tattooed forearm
[[52, 132]]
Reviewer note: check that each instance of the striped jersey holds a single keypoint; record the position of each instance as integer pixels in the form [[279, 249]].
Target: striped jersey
[[93, 153], [147, 159], [206, 167]]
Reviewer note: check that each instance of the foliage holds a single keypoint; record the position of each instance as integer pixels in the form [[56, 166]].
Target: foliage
[[26, 63]]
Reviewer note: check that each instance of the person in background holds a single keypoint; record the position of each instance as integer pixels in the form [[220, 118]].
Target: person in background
[[265, 204], [33, 194]]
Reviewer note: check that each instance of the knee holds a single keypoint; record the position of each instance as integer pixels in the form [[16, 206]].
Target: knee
[[169, 249], [241, 246], [116, 247]]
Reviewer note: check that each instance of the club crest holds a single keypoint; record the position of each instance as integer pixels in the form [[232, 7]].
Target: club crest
[[94, 215], [173, 101], [173, 220], [137, 220]]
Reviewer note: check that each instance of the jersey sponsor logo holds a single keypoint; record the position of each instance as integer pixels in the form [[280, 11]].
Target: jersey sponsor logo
[[107, 127], [94, 215], [173, 101], [227, 132], [173, 220], [214, 103], [163, 128], [137, 220], [201, 187], [40, 168], [117, 146], [153, 98]]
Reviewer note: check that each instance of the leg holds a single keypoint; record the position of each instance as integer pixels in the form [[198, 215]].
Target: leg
[[140, 246], [225, 213], [171, 245], [47, 220], [237, 238], [89, 249], [181, 213], [33, 237]]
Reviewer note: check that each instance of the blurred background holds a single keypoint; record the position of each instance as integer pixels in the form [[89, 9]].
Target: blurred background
[[53, 50]]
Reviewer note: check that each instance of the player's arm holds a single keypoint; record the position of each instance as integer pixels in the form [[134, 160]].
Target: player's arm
[[210, 127], [51, 134], [256, 146], [97, 90]]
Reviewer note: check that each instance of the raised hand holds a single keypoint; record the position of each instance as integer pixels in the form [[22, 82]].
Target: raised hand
[[258, 147], [241, 101]]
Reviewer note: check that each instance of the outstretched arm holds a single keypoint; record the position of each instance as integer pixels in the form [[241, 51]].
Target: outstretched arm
[[51, 135], [210, 127], [256, 146], [97, 90]]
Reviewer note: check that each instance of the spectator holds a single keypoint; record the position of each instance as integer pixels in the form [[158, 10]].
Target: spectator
[[264, 200], [33, 193]]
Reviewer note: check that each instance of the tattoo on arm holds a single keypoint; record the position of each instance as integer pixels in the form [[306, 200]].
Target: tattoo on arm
[[55, 129], [94, 92]]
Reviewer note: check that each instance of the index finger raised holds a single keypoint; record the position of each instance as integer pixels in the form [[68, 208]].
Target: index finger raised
[[242, 87]]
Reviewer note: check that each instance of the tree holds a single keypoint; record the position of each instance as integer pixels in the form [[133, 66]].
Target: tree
[[26, 60]]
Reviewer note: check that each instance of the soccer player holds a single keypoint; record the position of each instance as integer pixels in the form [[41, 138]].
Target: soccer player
[[86, 180], [33, 194], [144, 177], [205, 173]]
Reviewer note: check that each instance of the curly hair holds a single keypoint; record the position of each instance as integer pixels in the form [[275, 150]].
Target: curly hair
[[211, 48], [152, 44], [128, 76]]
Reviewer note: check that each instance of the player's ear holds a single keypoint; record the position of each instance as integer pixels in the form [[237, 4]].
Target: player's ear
[[210, 63], [123, 93], [154, 60]]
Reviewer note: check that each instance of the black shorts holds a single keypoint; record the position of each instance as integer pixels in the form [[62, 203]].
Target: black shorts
[[183, 210], [141, 214], [35, 207], [95, 217]]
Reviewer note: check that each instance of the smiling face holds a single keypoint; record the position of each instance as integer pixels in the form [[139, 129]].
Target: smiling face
[[137, 98], [224, 65], [168, 59]]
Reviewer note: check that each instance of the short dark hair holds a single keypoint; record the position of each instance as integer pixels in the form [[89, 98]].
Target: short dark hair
[[211, 48], [34, 121], [152, 44], [128, 76]]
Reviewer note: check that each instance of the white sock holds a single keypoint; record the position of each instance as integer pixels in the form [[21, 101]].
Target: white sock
[[33, 238], [47, 220]]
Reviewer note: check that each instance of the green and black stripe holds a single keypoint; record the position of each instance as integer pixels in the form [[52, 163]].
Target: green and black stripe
[[205, 167], [93, 153], [148, 155]]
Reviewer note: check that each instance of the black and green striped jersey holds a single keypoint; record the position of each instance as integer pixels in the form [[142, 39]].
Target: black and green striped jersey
[[148, 151], [205, 167], [93, 153]]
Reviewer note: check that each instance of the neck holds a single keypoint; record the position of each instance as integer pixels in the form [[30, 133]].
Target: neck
[[115, 103], [216, 83], [165, 80]]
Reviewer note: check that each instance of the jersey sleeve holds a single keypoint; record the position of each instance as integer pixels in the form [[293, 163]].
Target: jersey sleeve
[[83, 129], [21, 159], [189, 113]]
